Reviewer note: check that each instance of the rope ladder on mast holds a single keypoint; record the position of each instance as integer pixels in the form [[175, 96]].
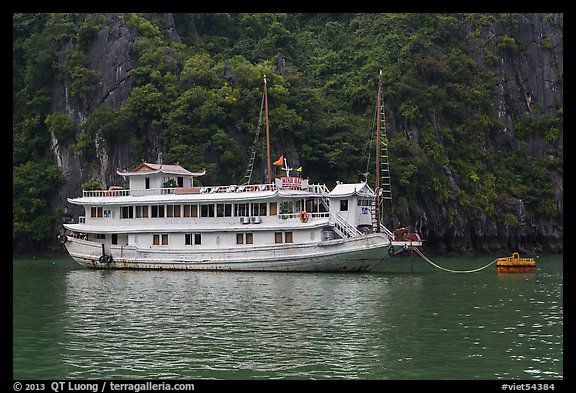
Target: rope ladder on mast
[[383, 187], [248, 177]]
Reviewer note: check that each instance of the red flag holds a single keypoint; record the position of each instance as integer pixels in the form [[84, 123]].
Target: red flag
[[280, 161]]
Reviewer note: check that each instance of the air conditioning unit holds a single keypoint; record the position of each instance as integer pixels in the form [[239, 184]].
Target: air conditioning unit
[[255, 220], [245, 220]]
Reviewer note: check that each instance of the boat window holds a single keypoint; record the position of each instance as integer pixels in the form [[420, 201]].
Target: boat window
[[224, 210], [244, 238], [311, 206], [96, 211], [207, 210], [283, 237], [298, 205], [157, 211], [259, 209], [363, 202], [156, 239], [172, 210], [193, 239], [241, 209], [344, 205], [141, 211], [190, 210], [127, 212]]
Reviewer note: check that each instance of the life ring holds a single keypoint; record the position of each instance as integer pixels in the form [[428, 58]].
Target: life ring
[[304, 217], [391, 250], [62, 239]]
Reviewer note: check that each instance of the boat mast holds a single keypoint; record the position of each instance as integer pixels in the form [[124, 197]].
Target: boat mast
[[267, 132], [377, 190], [383, 180]]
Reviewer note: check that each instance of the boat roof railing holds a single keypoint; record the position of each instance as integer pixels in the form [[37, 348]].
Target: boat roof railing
[[114, 192]]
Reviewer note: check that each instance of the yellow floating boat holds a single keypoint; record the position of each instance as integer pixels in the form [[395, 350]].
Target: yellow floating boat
[[515, 264]]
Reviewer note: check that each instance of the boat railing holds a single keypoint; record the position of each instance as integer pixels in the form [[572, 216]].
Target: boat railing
[[104, 193], [314, 188], [386, 231], [241, 188], [343, 227], [318, 188]]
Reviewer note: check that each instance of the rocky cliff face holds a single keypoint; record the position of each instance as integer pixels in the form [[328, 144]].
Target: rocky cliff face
[[110, 56], [530, 74], [529, 79]]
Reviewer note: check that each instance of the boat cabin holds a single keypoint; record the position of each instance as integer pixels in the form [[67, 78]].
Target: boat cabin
[[353, 202], [148, 176]]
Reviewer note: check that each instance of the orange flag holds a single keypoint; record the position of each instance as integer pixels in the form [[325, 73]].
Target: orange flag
[[280, 161]]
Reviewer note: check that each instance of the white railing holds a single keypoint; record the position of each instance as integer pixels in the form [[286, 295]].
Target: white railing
[[386, 230], [343, 227], [318, 188], [243, 188], [314, 188], [105, 193]]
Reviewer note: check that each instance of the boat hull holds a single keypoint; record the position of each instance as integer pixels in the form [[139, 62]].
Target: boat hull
[[353, 254]]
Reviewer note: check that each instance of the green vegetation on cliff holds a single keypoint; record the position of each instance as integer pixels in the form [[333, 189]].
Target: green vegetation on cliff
[[199, 97]]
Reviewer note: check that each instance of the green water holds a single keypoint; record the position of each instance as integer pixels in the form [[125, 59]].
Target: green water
[[404, 320]]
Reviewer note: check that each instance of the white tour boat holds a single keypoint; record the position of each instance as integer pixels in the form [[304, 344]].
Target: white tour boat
[[286, 224]]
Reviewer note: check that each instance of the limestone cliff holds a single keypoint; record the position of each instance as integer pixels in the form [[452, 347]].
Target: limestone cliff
[[529, 78]]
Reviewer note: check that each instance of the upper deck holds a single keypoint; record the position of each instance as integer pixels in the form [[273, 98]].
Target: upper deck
[[206, 193]]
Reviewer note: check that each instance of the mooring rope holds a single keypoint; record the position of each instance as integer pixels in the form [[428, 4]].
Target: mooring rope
[[450, 270]]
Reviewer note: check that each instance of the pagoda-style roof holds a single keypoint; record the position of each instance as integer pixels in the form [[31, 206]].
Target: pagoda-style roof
[[346, 190], [147, 168]]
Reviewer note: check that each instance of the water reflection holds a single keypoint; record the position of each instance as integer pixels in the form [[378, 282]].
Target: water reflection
[[401, 325], [228, 325]]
